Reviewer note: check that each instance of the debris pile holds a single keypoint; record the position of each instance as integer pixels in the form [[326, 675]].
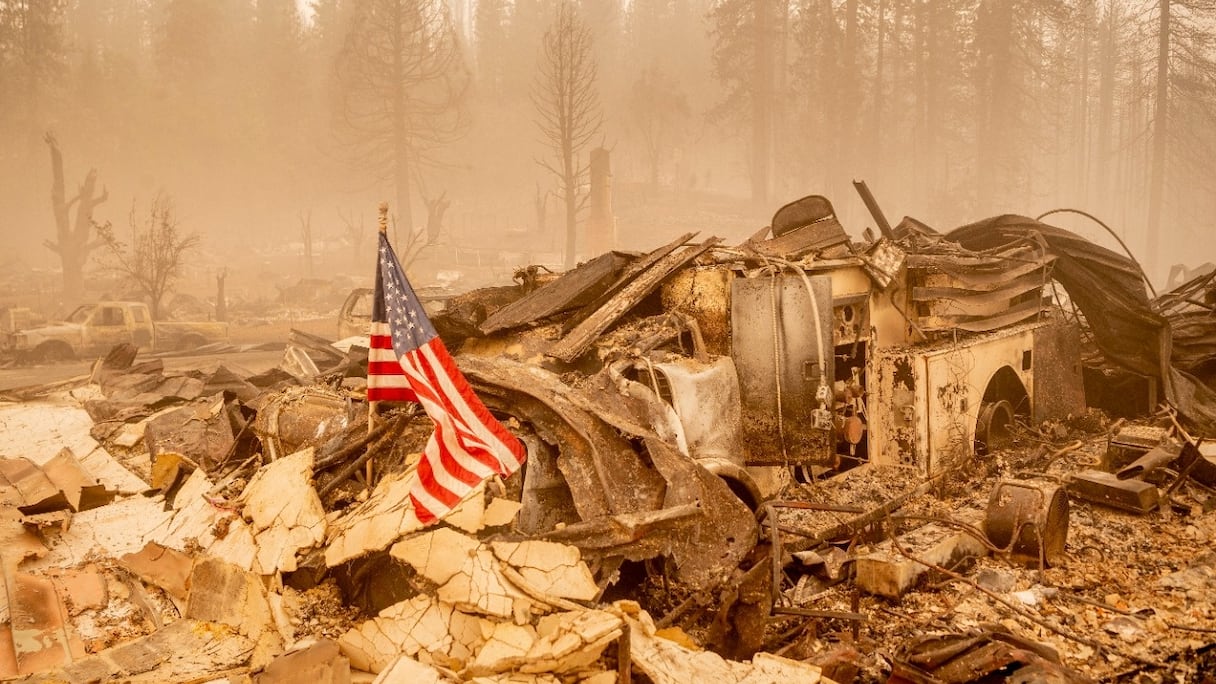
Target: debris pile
[[795, 459]]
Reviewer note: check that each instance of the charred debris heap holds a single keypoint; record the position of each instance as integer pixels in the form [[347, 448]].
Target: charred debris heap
[[794, 459]]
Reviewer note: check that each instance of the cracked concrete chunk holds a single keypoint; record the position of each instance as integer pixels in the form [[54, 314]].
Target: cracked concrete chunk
[[40, 429], [571, 641], [666, 662], [507, 647], [24, 485], [436, 555], [217, 529], [405, 670], [555, 569], [286, 512], [501, 512], [470, 512], [384, 518], [112, 530], [41, 637], [81, 490], [479, 587], [407, 628]]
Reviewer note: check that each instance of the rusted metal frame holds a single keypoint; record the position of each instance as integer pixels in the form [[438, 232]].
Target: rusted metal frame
[[924, 294], [574, 343], [880, 218], [984, 323], [777, 556], [1143, 275], [1183, 474], [828, 614], [981, 281]]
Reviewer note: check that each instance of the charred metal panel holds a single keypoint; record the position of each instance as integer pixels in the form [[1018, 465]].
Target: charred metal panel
[[782, 362], [925, 400], [1056, 365], [896, 419], [958, 375]]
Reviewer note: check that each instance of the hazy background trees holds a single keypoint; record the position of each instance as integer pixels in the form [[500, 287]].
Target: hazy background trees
[[567, 101], [250, 112]]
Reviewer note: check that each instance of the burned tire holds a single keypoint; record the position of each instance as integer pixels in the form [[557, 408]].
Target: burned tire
[[52, 352], [992, 427]]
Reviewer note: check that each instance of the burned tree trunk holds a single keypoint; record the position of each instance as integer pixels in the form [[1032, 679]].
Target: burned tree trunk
[[72, 242], [435, 209], [1161, 121]]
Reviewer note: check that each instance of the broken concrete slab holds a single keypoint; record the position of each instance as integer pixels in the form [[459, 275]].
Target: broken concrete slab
[[318, 662], [555, 569], [25, 486], [59, 484], [39, 430], [185, 650], [571, 641], [480, 587], [42, 640], [407, 628], [386, 516], [1103, 488], [79, 487], [285, 512], [80, 589], [506, 648], [438, 554], [112, 530], [666, 662], [406, 670], [886, 572]]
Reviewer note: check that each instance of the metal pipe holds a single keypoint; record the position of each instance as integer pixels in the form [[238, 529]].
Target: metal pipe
[[875, 210]]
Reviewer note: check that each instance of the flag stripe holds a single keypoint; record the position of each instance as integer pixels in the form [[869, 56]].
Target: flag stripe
[[453, 400], [390, 394], [383, 367], [479, 454], [482, 425]]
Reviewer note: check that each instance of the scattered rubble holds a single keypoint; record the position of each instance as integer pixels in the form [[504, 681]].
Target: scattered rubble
[[795, 459]]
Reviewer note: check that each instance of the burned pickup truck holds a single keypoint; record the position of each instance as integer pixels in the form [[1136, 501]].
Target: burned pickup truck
[[95, 328]]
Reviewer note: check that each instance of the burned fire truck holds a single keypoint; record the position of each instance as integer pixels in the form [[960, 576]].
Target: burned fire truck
[[666, 398], [794, 355]]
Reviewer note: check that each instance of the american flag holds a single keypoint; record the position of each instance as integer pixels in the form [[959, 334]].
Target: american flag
[[408, 362]]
